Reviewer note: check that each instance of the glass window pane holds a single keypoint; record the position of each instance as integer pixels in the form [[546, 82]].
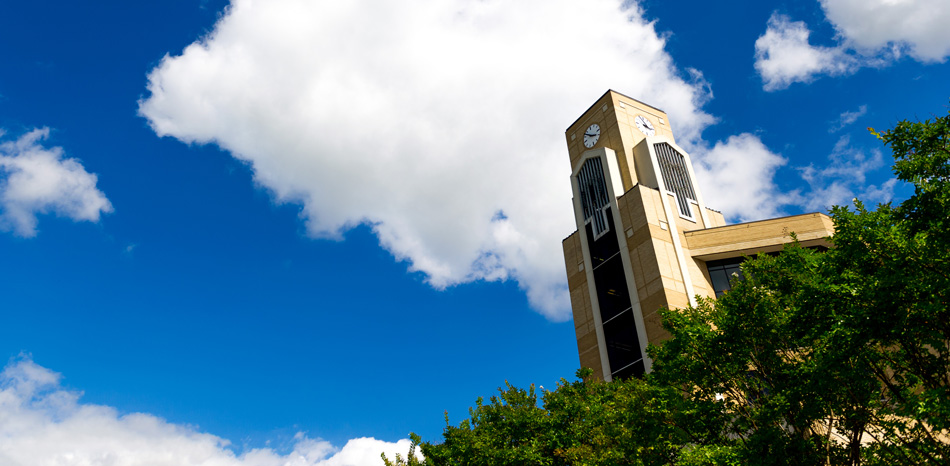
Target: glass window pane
[[720, 273], [611, 284], [634, 370], [620, 335], [606, 246], [733, 270], [720, 280]]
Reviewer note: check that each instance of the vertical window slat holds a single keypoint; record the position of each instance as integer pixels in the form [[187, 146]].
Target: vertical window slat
[[593, 190], [675, 176]]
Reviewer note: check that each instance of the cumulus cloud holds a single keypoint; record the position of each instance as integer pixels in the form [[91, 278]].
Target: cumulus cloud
[[784, 56], [869, 33], [37, 180], [844, 178], [439, 124], [917, 26], [737, 177], [847, 118], [44, 423]]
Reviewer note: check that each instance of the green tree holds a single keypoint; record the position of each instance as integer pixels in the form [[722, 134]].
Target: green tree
[[769, 355], [834, 357], [839, 357], [585, 422], [411, 459]]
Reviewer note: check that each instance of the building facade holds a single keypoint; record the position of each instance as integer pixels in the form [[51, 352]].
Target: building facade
[[645, 238]]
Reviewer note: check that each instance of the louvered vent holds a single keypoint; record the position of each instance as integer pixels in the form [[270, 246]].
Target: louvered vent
[[676, 176], [593, 189]]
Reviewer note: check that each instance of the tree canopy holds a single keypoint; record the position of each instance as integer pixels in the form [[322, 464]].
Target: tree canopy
[[834, 357]]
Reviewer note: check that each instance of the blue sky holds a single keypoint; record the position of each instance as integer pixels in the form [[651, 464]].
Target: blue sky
[[298, 230]]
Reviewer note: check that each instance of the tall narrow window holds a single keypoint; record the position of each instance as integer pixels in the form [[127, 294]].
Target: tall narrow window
[[675, 176], [593, 190], [624, 358]]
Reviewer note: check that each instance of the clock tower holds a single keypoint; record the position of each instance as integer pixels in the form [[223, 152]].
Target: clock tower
[[645, 238]]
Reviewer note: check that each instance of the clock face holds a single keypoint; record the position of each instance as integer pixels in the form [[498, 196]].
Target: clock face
[[591, 135], [644, 125]]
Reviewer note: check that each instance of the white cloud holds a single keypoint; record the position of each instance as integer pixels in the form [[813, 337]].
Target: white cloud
[[844, 178], [424, 119], [869, 33], [847, 118], [784, 56], [37, 180], [736, 177], [42, 423], [917, 26]]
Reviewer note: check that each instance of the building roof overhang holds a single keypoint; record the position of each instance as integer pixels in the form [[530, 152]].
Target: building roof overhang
[[811, 230]]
